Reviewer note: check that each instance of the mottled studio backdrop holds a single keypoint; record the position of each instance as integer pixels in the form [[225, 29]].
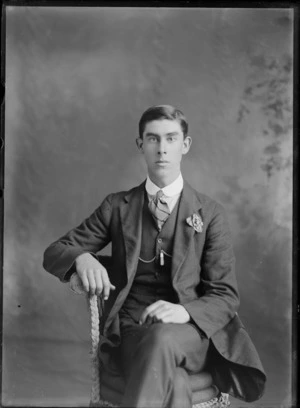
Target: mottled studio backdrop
[[77, 81]]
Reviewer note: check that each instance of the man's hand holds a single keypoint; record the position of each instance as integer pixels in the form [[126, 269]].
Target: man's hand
[[93, 275], [165, 312]]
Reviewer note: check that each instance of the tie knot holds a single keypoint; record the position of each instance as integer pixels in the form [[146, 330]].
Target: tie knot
[[159, 194], [161, 197]]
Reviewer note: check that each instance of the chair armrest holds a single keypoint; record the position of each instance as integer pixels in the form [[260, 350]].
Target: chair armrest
[[95, 308]]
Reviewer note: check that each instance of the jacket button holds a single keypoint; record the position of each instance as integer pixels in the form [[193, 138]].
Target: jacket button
[[159, 240]]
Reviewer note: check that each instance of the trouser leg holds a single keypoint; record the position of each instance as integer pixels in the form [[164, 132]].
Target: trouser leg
[[150, 357], [181, 393]]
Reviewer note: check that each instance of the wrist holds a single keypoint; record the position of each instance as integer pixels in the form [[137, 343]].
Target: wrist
[[84, 255]]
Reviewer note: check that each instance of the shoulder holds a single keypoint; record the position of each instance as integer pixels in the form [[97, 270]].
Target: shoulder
[[114, 199], [209, 207], [205, 200]]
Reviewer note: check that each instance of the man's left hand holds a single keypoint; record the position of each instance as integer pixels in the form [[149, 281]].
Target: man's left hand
[[164, 312]]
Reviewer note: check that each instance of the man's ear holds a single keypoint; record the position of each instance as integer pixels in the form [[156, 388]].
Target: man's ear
[[139, 143], [186, 144]]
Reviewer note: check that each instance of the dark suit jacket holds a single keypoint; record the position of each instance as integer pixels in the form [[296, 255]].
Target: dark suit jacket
[[202, 274]]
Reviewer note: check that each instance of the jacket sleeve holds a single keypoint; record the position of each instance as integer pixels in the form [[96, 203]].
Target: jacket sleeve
[[91, 236], [219, 299]]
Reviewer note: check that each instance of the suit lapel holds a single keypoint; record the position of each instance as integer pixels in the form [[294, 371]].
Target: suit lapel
[[184, 233], [131, 220]]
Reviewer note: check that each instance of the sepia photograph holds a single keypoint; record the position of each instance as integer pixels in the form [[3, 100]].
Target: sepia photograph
[[148, 206]]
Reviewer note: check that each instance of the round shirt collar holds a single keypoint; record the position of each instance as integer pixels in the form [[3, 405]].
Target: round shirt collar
[[171, 190]]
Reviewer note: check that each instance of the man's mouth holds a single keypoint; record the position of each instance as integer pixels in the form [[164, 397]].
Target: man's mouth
[[162, 161]]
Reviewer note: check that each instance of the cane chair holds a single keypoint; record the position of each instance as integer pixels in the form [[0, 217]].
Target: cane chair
[[107, 390]]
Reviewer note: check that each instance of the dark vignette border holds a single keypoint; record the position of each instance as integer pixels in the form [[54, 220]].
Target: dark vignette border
[[182, 4]]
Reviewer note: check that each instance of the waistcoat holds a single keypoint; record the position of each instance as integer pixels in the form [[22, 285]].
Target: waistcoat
[[152, 281]]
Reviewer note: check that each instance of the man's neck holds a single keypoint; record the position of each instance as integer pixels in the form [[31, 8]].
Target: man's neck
[[162, 182]]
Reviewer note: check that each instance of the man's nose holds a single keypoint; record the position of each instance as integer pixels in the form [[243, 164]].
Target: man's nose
[[162, 147]]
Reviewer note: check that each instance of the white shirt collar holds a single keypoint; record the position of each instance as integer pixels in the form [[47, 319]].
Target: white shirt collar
[[171, 190]]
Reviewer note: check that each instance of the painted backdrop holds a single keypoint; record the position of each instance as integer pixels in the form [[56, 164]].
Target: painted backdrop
[[77, 81]]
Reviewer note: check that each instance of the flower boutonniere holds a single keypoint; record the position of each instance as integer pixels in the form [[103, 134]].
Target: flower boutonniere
[[196, 222]]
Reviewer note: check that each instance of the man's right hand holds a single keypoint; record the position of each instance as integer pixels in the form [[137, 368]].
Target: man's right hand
[[93, 275]]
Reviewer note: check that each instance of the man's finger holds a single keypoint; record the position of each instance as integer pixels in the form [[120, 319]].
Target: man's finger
[[159, 309], [106, 284], [92, 281], [98, 280], [144, 316], [156, 305], [162, 314], [149, 320], [147, 315], [85, 282]]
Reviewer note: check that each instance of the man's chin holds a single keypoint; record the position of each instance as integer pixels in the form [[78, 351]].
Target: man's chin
[[160, 170]]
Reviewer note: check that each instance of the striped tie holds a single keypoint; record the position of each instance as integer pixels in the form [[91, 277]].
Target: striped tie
[[159, 209]]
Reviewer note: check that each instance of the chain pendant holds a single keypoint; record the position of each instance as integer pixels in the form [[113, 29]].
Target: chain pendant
[[161, 256]]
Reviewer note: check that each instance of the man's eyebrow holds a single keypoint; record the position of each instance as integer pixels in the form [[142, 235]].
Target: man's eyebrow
[[157, 135], [151, 134]]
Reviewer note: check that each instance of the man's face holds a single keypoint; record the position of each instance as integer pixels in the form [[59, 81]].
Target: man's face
[[163, 145]]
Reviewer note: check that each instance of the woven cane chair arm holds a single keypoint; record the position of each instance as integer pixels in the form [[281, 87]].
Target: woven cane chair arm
[[76, 287]]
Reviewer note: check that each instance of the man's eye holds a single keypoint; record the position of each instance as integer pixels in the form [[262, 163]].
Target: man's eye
[[171, 139], [152, 139]]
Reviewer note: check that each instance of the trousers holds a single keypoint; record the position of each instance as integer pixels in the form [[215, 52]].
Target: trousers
[[156, 361]]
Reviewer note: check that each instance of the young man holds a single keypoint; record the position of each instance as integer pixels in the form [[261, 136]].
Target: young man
[[171, 295]]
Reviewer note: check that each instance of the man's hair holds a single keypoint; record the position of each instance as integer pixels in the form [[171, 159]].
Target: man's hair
[[158, 112]]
